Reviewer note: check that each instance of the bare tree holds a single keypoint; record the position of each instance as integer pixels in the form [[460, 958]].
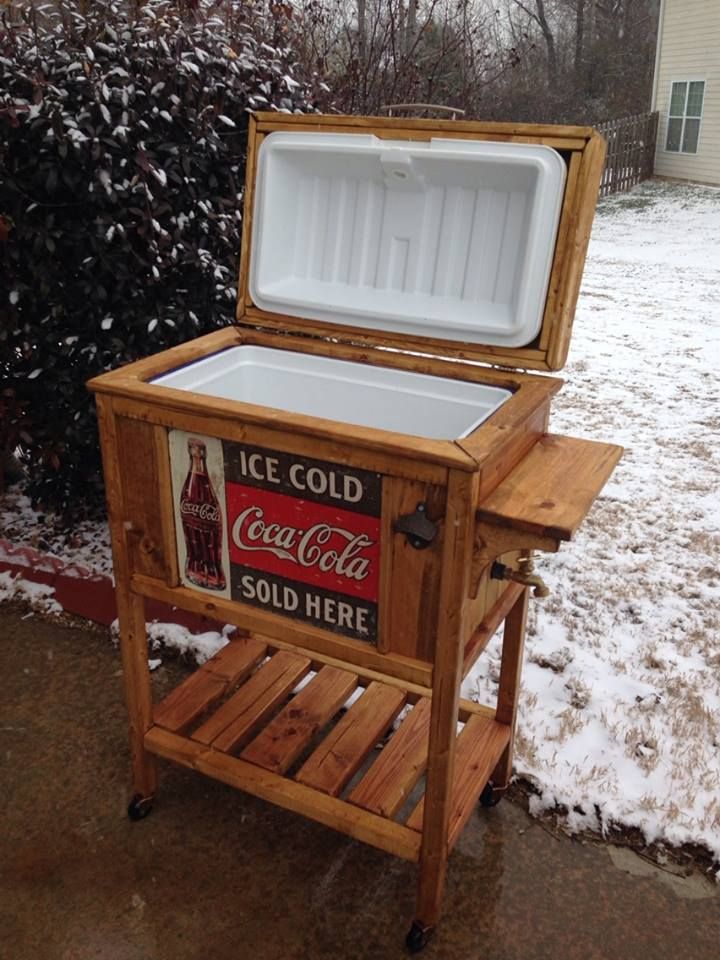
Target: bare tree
[[549, 60]]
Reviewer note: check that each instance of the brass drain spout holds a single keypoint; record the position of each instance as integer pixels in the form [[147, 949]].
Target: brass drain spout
[[524, 575]]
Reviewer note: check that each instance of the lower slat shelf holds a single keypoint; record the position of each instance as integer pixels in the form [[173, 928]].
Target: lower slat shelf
[[284, 792], [237, 719]]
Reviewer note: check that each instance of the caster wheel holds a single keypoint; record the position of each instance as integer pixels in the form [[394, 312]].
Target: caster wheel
[[139, 807], [488, 798], [418, 937]]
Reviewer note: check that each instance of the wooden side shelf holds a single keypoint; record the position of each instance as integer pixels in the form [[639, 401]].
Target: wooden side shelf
[[550, 492], [241, 719]]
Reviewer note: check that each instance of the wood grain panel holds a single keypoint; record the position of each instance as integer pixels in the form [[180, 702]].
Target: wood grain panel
[[410, 577], [140, 478], [536, 496]]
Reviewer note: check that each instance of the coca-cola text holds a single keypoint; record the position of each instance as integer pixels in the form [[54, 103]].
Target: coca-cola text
[[305, 547]]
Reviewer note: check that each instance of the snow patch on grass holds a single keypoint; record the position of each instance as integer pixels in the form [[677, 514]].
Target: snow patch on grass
[[198, 647], [619, 717], [38, 595]]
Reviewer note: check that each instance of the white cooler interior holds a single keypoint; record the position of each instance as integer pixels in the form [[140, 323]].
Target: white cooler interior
[[451, 239], [354, 393]]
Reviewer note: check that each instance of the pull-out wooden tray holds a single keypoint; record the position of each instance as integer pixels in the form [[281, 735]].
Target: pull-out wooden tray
[[358, 770]]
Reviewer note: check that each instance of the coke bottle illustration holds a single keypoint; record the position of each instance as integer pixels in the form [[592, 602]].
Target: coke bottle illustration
[[201, 522]]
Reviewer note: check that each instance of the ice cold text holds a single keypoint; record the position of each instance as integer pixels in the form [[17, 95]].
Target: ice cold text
[[322, 482], [319, 481]]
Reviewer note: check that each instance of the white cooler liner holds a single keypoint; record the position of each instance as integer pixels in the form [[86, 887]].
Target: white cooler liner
[[451, 239], [386, 399]]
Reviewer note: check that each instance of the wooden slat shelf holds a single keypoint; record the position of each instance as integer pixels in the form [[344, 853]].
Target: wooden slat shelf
[[237, 719]]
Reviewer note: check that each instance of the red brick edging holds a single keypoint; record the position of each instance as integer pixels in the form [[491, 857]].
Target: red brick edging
[[85, 592]]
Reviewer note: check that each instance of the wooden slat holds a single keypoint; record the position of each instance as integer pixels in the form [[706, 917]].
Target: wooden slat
[[366, 675], [284, 739], [158, 363], [398, 126], [576, 250], [137, 461], [484, 631], [537, 497], [392, 837], [339, 756], [246, 711], [143, 402], [233, 417], [509, 687], [479, 748], [435, 366], [165, 505], [553, 301], [204, 687], [447, 677], [285, 632], [389, 781], [500, 443], [412, 691]]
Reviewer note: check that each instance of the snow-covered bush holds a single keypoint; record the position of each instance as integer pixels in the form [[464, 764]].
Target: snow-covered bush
[[122, 155]]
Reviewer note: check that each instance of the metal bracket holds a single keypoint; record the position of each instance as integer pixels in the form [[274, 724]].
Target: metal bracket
[[491, 541], [417, 527]]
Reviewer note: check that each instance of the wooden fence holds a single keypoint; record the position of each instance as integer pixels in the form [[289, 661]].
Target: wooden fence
[[631, 151]]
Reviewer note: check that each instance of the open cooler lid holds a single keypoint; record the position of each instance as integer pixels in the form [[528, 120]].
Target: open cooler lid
[[445, 244]]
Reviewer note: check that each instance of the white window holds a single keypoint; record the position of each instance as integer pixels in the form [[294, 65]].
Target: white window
[[686, 103]]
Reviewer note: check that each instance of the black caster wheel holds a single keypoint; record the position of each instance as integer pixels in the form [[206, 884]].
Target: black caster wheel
[[488, 798], [139, 807], [418, 937]]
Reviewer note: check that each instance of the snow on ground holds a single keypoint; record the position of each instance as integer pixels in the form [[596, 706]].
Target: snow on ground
[[87, 545], [38, 595], [620, 712]]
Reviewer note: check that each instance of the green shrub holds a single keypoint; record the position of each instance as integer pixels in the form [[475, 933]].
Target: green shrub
[[122, 154]]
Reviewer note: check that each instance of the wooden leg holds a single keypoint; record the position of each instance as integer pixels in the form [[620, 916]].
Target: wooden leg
[[131, 618], [509, 690], [138, 694], [447, 676]]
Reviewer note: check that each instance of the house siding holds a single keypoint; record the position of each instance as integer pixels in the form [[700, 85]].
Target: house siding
[[689, 49]]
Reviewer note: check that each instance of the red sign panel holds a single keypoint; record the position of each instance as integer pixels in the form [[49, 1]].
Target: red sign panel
[[318, 545], [304, 538]]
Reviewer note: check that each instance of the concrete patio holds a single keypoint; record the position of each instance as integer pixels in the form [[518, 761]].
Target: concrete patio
[[213, 873]]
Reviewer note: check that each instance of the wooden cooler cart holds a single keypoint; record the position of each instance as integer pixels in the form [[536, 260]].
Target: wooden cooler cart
[[356, 475]]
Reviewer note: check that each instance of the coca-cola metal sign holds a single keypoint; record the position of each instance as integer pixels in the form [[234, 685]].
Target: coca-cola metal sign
[[293, 535]]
